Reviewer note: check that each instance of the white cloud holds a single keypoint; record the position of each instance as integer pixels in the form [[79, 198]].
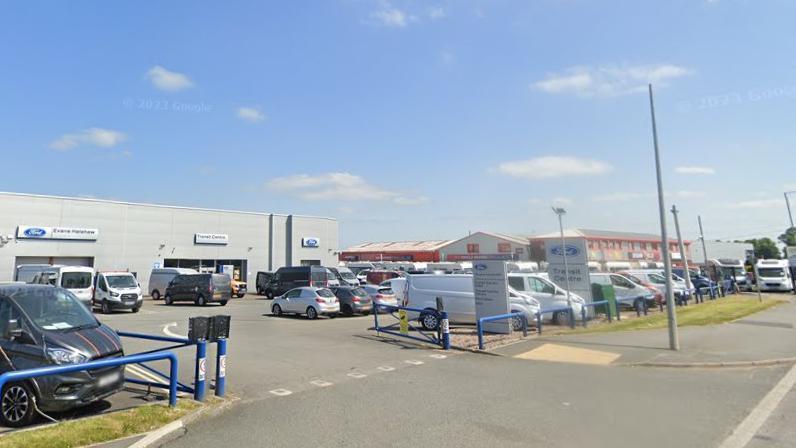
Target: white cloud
[[103, 138], [553, 166], [436, 13], [695, 170], [336, 185], [251, 114], [622, 197], [609, 80], [689, 194], [167, 80], [560, 202], [392, 17], [762, 203]]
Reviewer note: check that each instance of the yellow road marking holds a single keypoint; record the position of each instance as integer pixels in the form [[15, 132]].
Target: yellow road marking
[[563, 353]]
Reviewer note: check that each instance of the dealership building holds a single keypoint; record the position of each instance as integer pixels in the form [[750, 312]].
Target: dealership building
[[114, 235]]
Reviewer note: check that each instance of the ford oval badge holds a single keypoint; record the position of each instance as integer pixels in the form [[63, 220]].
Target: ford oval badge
[[569, 250], [479, 266], [35, 232]]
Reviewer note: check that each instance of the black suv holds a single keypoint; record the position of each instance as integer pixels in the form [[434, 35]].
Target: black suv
[[285, 279], [42, 326], [200, 289]]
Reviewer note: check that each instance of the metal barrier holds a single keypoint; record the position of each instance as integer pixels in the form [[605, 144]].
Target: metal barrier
[[443, 333], [595, 305], [639, 304], [200, 366], [540, 313], [480, 325], [18, 375]]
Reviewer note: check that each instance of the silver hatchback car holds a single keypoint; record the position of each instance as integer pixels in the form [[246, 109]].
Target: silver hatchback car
[[307, 300]]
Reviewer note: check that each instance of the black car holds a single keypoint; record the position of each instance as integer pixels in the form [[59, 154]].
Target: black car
[[353, 299], [42, 326], [200, 289], [288, 278], [263, 278]]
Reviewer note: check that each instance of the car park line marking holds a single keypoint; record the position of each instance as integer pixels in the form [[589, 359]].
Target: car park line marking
[[280, 392], [744, 432], [321, 383], [357, 375], [168, 332], [386, 368], [414, 362], [137, 371], [438, 356]]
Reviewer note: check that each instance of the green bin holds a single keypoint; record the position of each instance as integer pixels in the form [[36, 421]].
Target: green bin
[[604, 292]]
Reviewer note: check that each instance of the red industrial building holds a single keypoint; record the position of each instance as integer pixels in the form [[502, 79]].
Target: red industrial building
[[420, 251]]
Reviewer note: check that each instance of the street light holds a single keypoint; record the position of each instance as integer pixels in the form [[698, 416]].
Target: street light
[[561, 212], [787, 203]]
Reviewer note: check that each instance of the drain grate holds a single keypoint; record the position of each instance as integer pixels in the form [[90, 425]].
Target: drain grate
[[761, 323]]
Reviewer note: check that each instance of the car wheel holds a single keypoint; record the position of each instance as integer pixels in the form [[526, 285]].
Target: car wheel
[[106, 308], [561, 318], [269, 295], [516, 323], [312, 314], [135, 310], [429, 320], [332, 316], [156, 295], [346, 309], [200, 300], [276, 310], [366, 313], [16, 405], [168, 299], [223, 303], [240, 296]]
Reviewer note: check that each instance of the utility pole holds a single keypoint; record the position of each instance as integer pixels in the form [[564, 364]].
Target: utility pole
[[683, 255], [702, 237], [560, 211], [787, 203], [674, 340]]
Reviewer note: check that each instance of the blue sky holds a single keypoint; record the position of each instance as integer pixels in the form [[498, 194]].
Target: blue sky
[[408, 119]]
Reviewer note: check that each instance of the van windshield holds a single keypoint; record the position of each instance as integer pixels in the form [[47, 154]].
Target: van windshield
[[121, 281], [76, 280], [54, 309], [771, 272]]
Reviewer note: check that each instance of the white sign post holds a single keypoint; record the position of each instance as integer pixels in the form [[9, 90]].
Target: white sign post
[[491, 289], [577, 261]]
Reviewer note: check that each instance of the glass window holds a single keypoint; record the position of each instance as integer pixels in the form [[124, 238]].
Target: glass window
[[121, 281], [325, 293], [292, 294], [621, 282], [76, 280], [771, 272], [359, 292], [54, 309], [517, 283], [7, 312]]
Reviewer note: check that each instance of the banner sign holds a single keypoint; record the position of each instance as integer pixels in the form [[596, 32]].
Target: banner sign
[[211, 238], [577, 262], [56, 233]]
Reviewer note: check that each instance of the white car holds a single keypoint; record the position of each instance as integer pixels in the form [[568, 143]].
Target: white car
[[117, 291], [306, 300], [549, 295], [382, 295]]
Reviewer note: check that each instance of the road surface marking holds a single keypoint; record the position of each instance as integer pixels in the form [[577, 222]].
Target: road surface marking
[[744, 432], [143, 374], [563, 353], [386, 368], [413, 362], [357, 375], [321, 383], [280, 392], [438, 356], [168, 332]]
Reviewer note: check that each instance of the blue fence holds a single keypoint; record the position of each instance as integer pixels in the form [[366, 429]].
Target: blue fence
[[586, 306], [442, 338], [509, 316], [19, 375], [566, 309]]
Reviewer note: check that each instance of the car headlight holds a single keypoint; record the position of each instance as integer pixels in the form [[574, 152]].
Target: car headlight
[[114, 294], [64, 356]]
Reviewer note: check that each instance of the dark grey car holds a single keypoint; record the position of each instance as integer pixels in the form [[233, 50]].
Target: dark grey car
[[353, 299]]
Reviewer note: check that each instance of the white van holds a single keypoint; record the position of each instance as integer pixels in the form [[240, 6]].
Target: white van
[[25, 272], [657, 280], [160, 278], [79, 280], [774, 275], [458, 299], [117, 291], [626, 290], [548, 294]]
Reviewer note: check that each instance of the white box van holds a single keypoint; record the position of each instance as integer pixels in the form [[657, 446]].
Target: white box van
[[548, 294], [458, 300], [79, 280], [774, 275], [159, 279], [117, 291]]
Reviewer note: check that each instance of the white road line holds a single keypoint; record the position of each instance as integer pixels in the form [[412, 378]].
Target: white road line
[[280, 392], [744, 432], [148, 376], [438, 356], [386, 368], [168, 332], [321, 383], [414, 362], [357, 375]]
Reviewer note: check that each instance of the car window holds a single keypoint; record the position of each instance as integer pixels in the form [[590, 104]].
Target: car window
[[359, 292], [294, 293], [7, 312], [517, 283], [386, 291], [76, 280], [656, 279], [325, 293], [621, 282]]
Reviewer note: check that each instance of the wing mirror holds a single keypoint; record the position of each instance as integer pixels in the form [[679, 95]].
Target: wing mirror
[[13, 330]]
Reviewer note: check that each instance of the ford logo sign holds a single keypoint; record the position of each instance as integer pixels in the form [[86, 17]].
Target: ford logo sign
[[565, 251], [35, 232], [479, 266], [311, 242]]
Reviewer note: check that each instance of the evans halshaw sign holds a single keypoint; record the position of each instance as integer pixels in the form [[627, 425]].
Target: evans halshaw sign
[[211, 238], [56, 233], [310, 242]]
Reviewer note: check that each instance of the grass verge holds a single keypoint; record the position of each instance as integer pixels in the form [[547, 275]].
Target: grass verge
[[709, 313], [76, 433]]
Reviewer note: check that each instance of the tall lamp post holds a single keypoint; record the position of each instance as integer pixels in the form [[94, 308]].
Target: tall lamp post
[[787, 203], [561, 212]]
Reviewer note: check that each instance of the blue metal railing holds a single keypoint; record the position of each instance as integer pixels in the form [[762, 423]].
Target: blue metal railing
[[19, 375], [443, 339], [594, 305], [481, 321], [540, 313]]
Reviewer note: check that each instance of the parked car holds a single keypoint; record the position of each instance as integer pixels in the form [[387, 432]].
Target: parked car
[[698, 280], [77, 279], [377, 276], [117, 291], [382, 295], [200, 289], [308, 300], [458, 300], [774, 275], [238, 288], [353, 299], [159, 279], [262, 280], [362, 276], [42, 326], [657, 281], [288, 278], [627, 292], [345, 276], [548, 294]]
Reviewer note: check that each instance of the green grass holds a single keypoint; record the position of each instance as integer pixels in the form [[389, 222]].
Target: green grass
[[113, 426], [709, 313]]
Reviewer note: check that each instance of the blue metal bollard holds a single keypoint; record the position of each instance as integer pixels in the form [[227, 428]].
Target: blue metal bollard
[[539, 323], [200, 372], [524, 326], [376, 317], [446, 329], [221, 367], [583, 315], [571, 318], [480, 332]]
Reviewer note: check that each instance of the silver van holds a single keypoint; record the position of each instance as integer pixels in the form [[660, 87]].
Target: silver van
[[159, 279]]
